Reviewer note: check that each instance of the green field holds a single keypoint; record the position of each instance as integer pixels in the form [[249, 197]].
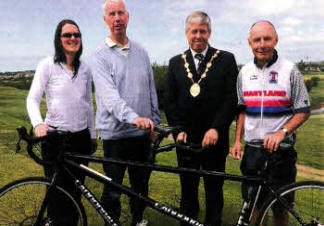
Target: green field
[[163, 187]]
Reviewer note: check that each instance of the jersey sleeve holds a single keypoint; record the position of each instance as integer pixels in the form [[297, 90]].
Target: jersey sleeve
[[299, 94]]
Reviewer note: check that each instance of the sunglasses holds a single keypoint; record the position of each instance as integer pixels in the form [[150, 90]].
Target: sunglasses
[[69, 35]]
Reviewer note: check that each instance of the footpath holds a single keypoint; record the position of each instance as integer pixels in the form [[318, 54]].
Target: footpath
[[310, 173]]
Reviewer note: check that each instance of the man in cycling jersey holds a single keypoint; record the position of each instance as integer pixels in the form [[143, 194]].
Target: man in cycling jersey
[[273, 102]]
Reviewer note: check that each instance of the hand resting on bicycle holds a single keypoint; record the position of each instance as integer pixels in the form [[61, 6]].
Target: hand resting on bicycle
[[165, 131], [41, 130], [210, 138], [270, 143], [144, 123]]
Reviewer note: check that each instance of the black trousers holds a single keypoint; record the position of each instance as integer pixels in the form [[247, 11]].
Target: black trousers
[[212, 159], [132, 149], [60, 210], [281, 170]]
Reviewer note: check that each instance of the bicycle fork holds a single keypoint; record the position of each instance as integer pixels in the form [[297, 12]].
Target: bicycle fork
[[247, 209], [39, 220]]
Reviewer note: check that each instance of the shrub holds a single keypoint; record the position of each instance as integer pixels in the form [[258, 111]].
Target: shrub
[[315, 80], [159, 72], [309, 85]]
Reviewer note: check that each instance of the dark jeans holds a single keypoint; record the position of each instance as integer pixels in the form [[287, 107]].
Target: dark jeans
[[281, 170], [133, 149], [211, 159], [61, 210]]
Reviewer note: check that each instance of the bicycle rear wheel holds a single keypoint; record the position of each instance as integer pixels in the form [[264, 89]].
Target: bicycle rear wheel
[[21, 200], [308, 205]]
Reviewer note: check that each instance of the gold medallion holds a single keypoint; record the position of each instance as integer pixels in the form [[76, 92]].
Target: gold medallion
[[195, 89]]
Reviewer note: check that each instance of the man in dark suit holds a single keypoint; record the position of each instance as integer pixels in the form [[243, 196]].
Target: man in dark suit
[[200, 96]]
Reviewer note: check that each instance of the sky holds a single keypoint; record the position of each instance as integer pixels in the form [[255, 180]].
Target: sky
[[27, 27]]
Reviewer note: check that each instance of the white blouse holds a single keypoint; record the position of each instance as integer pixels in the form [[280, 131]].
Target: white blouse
[[69, 103]]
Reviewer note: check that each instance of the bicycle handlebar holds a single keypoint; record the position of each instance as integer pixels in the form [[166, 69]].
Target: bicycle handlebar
[[257, 143], [165, 131], [32, 140], [23, 135]]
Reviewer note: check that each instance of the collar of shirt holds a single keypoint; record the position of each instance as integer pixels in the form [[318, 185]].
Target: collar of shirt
[[271, 62], [65, 68], [193, 52], [123, 50]]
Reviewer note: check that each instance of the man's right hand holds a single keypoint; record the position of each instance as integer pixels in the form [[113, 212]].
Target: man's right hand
[[41, 130], [182, 137], [236, 150], [144, 123]]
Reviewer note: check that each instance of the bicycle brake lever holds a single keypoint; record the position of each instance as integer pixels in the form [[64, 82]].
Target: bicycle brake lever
[[18, 148], [21, 132]]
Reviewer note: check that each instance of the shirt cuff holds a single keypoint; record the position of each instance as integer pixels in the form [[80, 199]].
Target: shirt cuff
[[130, 117], [35, 124]]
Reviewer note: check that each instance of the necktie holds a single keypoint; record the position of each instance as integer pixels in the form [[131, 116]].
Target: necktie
[[200, 58]]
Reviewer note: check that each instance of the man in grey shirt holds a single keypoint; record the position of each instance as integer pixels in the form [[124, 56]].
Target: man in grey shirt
[[126, 107]]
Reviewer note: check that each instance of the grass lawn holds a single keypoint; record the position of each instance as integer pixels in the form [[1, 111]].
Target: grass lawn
[[163, 187], [316, 94]]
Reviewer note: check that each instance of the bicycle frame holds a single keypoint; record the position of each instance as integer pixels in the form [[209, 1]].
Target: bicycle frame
[[123, 189], [69, 159]]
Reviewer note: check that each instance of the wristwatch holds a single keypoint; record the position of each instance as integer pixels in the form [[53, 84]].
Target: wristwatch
[[285, 130]]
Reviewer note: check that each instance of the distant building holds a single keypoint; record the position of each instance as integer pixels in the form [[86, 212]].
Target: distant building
[[312, 69]]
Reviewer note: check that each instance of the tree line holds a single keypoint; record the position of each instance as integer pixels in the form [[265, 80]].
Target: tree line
[[20, 81]]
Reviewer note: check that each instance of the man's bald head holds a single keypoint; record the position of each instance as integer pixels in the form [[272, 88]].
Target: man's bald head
[[262, 40], [264, 22]]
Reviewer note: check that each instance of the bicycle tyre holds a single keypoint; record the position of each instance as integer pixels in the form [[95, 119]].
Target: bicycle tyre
[[20, 202], [308, 204]]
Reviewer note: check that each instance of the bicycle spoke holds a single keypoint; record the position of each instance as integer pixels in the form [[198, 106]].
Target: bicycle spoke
[[308, 206], [21, 201], [21, 204]]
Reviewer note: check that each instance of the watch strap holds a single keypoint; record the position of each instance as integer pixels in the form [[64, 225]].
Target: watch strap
[[285, 130]]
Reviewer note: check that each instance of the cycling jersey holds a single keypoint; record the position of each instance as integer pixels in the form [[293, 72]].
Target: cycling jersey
[[270, 96]]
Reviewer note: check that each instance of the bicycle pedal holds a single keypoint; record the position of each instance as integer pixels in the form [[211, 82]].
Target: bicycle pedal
[[48, 222]]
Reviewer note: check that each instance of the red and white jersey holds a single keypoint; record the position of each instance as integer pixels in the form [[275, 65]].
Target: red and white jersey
[[271, 95]]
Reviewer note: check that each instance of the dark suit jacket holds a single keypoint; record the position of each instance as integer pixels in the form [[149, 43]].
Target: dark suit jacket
[[214, 107]]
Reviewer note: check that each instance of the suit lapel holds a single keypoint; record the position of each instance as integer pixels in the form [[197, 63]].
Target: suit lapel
[[209, 54]]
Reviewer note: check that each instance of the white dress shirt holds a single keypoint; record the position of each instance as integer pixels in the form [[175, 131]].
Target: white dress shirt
[[193, 52]]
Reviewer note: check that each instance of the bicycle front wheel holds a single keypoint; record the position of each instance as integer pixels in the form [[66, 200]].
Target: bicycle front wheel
[[21, 201], [307, 205]]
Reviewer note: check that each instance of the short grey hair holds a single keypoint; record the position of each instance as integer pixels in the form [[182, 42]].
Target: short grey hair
[[105, 5], [265, 21], [198, 17]]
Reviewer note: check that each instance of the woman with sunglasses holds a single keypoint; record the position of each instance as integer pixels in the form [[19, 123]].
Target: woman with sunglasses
[[66, 81]]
